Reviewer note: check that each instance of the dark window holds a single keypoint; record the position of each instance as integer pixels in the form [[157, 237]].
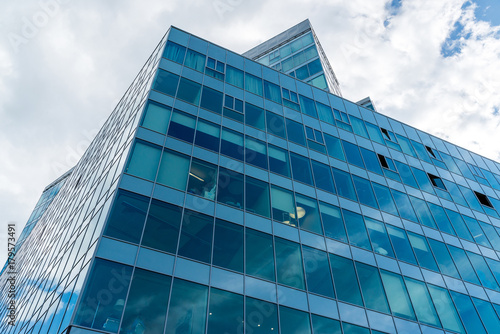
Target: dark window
[[383, 161], [196, 236], [436, 181], [211, 100], [431, 152], [162, 226], [483, 199]]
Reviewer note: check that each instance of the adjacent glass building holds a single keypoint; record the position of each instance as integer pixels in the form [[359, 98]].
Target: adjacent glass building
[[227, 196]]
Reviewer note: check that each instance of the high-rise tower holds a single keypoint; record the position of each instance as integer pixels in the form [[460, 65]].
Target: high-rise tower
[[225, 196]]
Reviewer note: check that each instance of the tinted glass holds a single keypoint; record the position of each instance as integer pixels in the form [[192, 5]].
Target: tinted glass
[[319, 279], [344, 184], [144, 161], [261, 317], [323, 325], [162, 226], [275, 124], [344, 277], [294, 321], [401, 244], [230, 188], [225, 312], [322, 176], [196, 236], [166, 82], [211, 99], [397, 295], [332, 222], [228, 246], [422, 303], [257, 196], [365, 191], [352, 154], [156, 117], [259, 258], [371, 286], [289, 263], [174, 170], [301, 168], [295, 132], [378, 236], [202, 179]]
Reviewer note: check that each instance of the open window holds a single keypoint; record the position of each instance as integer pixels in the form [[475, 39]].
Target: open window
[[436, 181], [483, 199]]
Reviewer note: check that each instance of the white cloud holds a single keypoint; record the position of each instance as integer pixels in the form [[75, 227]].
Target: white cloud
[[69, 74]]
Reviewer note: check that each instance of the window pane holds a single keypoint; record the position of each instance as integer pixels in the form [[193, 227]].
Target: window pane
[[254, 116], [459, 225], [162, 226], [230, 188], [374, 132], [325, 113], [208, 135], [255, 152], [174, 170], [156, 117], [195, 60], [259, 255], [468, 313], [301, 168], [257, 197], [146, 303], [344, 184], [406, 174], [253, 84], [202, 179], [334, 147], [174, 52], [323, 325], [463, 265], [289, 263], [308, 107], [308, 214], [490, 320], [295, 132], [228, 246], [483, 271], [166, 82], [441, 218], [182, 126], [261, 317], [283, 206], [332, 222], [346, 283], [384, 199], [272, 92], [99, 308], [365, 191], [322, 176], [211, 100], [356, 229], [397, 295], [275, 124], [189, 91], [225, 312], [278, 161], [358, 126], [444, 261], [423, 180], [404, 205], [353, 329], [127, 217], [352, 154], [476, 231], [234, 76], [187, 312], [144, 161], [294, 322], [422, 303], [378, 235], [371, 286], [319, 278], [423, 213], [422, 251], [401, 244], [371, 160], [196, 236], [445, 309], [232, 144]]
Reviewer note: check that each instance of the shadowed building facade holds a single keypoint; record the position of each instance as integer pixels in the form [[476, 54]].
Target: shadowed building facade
[[232, 195]]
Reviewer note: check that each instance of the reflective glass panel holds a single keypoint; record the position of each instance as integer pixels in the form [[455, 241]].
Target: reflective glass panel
[[174, 170], [322, 325], [278, 161], [202, 179], [294, 321], [356, 230], [318, 276], [308, 214], [384, 199], [346, 283], [344, 184], [445, 309], [228, 245], [422, 303], [371, 286], [144, 161], [162, 226], [259, 256], [257, 197], [378, 236], [322, 176], [468, 313], [230, 188], [301, 168], [365, 191], [196, 236], [156, 117], [397, 295], [332, 222], [401, 244], [289, 263], [225, 312], [261, 317]]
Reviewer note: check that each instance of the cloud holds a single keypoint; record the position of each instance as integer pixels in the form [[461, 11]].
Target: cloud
[[69, 73]]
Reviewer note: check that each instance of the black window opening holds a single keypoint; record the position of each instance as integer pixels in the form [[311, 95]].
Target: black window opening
[[383, 161], [431, 152], [436, 181], [388, 135], [483, 199]]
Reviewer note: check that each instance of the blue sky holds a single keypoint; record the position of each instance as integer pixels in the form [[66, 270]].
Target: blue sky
[[64, 64]]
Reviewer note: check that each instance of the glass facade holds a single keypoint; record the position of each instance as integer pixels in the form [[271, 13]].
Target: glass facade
[[224, 196]]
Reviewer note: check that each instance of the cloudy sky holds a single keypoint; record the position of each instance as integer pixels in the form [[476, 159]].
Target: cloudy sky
[[64, 64]]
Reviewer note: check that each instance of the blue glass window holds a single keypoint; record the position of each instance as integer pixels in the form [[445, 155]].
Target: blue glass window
[[211, 99], [195, 241], [278, 161], [230, 188], [162, 226], [325, 113], [225, 312], [476, 231], [166, 82], [356, 229], [490, 320], [295, 132], [332, 222], [189, 91], [352, 154], [174, 170], [483, 271], [384, 199], [234, 76], [322, 176], [344, 184], [174, 52], [228, 245], [445, 309], [444, 261], [397, 295], [255, 116], [364, 191], [283, 206], [374, 132], [289, 263], [459, 225], [318, 276], [334, 147], [346, 283], [202, 179], [127, 217], [232, 144], [294, 321], [257, 197], [404, 205], [322, 325], [255, 152], [253, 84], [182, 126], [371, 286], [421, 151], [422, 303], [301, 168], [378, 236], [441, 218], [308, 214], [144, 160], [275, 124], [187, 311], [261, 317], [468, 313], [406, 174], [259, 255], [423, 212], [401, 244], [422, 251], [358, 127], [463, 265], [156, 117], [208, 135], [406, 146], [272, 92], [308, 106], [371, 160], [195, 60]]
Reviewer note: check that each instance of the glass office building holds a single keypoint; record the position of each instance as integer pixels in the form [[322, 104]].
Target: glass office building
[[226, 196]]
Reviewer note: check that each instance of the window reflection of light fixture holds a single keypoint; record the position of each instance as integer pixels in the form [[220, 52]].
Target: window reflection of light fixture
[[301, 212], [196, 176]]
